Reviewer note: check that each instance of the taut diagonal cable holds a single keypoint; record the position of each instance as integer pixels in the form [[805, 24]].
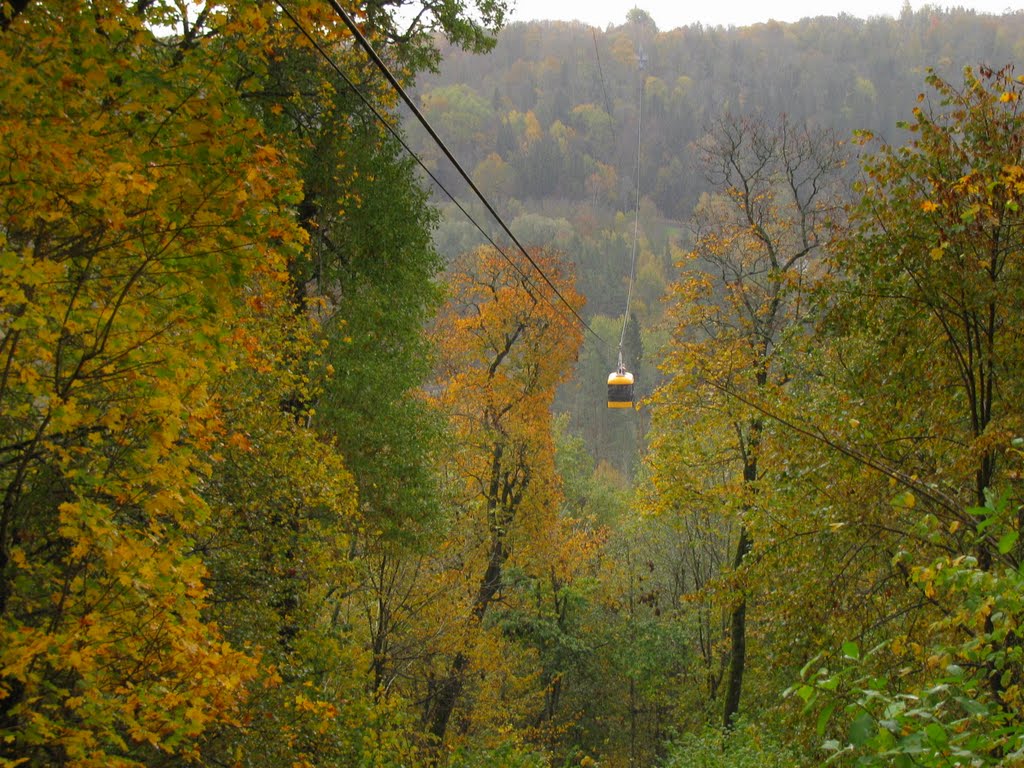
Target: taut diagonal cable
[[383, 67]]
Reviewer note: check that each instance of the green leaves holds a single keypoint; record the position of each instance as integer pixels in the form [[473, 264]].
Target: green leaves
[[1007, 542], [963, 710], [924, 346], [851, 650], [862, 729]]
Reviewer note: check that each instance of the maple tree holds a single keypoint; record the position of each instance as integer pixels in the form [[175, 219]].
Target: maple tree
[[137, 201], [162, 354], [505, 345]]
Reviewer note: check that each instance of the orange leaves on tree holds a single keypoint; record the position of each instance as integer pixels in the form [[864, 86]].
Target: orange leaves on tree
[[504, 347]]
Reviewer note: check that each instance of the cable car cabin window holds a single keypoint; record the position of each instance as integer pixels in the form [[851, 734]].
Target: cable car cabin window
[[620, 389]]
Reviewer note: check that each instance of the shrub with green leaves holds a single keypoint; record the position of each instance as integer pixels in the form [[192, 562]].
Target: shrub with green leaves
[[744, 746], [961, 702]]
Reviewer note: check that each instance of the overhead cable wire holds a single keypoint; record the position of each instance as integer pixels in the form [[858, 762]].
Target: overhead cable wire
[[398, 136], [604, 89], [383, 67], [636, 217], [927, 490], [401, 140]]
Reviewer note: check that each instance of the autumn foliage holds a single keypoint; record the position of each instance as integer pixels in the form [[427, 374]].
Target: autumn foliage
[[147, 339], [139, 205], [275, 491], [505, 346]]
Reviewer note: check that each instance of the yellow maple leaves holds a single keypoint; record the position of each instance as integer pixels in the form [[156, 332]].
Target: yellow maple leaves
[[123, 256]]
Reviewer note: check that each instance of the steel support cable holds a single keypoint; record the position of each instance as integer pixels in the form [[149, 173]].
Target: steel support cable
[[383, 67], [604, 90], [401, 140], [636, 216]]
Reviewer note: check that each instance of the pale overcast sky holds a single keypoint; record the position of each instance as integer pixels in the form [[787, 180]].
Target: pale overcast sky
[[669, 14]]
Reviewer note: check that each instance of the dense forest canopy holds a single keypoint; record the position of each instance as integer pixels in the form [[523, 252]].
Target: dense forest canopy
[[297, 471], [578, 88]]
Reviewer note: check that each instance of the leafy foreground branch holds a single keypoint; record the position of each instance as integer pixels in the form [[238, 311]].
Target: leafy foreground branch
[[957, 700]]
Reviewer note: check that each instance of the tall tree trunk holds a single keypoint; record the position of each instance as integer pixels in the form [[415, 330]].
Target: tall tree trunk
[[738, 619], [504, 495], [447, 693], [738, 639], [445, 696]]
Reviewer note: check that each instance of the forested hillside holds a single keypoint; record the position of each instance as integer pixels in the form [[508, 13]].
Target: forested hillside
[[556, 101], [547, 124], [297, 471]]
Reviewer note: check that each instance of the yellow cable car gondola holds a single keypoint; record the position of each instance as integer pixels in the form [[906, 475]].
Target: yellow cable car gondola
[[620, 388]]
